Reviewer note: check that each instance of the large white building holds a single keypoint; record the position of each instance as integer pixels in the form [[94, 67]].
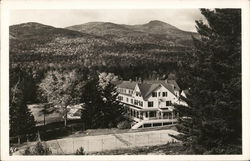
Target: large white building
[[150, 103]]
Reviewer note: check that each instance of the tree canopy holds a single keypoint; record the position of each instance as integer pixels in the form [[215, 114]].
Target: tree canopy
[[213, 119], [61, 89], [21, 119], [100, 97]]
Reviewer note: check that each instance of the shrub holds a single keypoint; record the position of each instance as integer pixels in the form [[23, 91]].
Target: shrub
[[39, 149], [80, 151], [124, 125]]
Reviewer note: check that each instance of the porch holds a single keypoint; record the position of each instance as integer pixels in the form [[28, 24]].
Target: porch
[[150, 114]]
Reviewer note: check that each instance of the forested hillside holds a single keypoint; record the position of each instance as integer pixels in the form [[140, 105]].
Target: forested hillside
[[149, 51]]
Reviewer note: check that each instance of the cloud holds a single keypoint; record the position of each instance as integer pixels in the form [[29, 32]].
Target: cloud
[[181, 18]]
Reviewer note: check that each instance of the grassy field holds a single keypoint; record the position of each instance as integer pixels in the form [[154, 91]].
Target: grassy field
[[39, 117]]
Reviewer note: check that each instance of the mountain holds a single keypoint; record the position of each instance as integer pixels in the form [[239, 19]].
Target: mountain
[[157, 32], [38, 38], [157, 27], [116, 32], [97, 44]]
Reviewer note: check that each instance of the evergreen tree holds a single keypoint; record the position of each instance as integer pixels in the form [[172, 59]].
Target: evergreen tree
[[102, 110], [91, 97], [212, 122], [21, 119]]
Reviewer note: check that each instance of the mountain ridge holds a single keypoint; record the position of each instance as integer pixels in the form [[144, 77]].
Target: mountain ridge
[[151, 24], [154, 31], [101, 43]]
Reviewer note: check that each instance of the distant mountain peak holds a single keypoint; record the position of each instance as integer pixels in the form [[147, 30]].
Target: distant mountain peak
[[160, 24], [31, 25], [156, 22]]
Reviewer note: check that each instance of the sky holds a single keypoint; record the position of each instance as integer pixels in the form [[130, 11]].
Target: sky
[[183, 19]]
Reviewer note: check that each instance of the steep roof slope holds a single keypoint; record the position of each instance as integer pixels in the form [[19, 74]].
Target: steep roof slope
[[147, 87], [127, 85]]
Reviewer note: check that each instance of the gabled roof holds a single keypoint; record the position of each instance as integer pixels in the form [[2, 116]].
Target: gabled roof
[[173, 82], [168, 86], [116, 83], [127, 85], [146, 89]]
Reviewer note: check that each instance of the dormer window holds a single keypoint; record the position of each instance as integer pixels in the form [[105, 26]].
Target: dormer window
[[136, 102], [154, 94], [138, 94]]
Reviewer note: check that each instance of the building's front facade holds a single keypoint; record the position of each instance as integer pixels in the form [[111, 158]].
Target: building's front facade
[[150, 101]]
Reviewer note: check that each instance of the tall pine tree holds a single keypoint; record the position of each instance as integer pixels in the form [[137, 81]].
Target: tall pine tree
[[21, 119], [212, 122], [102, 109]]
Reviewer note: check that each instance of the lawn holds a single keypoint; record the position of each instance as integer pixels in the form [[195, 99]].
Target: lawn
[[39, 117]]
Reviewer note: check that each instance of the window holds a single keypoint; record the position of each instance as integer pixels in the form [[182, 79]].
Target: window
[[127, 99], [159, 94], [168, 103], [164, 94], [151, 104], [131, 101], [136, 102], [154, 94], [152, 114], [120, 98], [140, 103]]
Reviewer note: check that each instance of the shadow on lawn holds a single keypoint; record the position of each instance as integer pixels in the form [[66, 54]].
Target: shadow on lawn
[[55, 130]]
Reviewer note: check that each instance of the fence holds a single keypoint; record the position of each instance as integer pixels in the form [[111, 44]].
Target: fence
[[110, 142]]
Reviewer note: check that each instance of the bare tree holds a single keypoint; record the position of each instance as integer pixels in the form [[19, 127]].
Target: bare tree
[[61, 89]]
